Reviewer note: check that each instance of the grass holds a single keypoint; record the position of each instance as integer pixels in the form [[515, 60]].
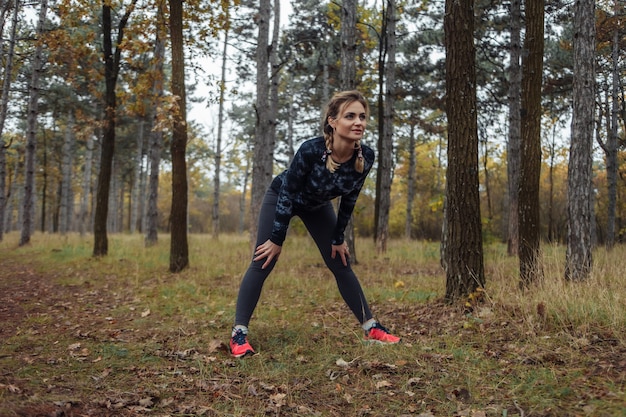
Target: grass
[[120, 335]]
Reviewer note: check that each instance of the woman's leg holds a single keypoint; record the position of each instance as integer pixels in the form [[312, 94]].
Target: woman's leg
[[320, 225], [252, 282]]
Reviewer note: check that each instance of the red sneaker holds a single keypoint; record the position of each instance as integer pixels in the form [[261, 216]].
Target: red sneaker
[[239, 346], [379, 334]]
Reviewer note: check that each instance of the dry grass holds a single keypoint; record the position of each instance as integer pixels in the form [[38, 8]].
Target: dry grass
[[122, 336]]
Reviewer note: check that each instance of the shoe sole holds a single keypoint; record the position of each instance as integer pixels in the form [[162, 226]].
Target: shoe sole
[[380, 342], [243, 355]]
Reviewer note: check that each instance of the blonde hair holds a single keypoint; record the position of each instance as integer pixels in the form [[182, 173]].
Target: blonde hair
[[334, 107]]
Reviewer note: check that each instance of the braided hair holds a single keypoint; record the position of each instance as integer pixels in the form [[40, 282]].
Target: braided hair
[[333, 109]]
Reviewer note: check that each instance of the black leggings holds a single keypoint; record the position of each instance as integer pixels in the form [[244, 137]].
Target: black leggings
[[320, 224]]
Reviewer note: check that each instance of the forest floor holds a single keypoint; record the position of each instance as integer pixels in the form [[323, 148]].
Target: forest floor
[[94, 338]]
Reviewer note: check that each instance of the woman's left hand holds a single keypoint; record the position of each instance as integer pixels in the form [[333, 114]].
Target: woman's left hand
[[343, 252]]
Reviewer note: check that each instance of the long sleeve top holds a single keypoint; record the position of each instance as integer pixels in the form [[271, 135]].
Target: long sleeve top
[[307, 185]]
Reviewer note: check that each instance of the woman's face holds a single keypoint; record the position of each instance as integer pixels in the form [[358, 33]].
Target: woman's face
[[351, 122]]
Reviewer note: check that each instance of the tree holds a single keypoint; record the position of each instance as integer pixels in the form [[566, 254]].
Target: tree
[[387, 68], [218, 144], [348, 82], [530, 162], [513, 144], [462, 247], [4, 102], [578, 258], [179, 249], [111, 71], [263, 153], [156, 136]]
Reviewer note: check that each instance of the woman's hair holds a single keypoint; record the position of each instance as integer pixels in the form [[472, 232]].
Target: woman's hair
[[336, 104]]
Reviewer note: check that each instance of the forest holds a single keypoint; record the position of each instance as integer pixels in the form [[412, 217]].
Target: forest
[[67, 64], [130, 125]]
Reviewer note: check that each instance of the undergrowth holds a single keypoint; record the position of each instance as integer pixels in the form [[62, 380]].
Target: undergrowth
[[120, 335]]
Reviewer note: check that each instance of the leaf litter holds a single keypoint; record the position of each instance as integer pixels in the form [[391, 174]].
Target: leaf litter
[[80, 350]]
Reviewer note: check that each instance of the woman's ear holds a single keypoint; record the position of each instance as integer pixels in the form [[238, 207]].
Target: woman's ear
[[332, 122]]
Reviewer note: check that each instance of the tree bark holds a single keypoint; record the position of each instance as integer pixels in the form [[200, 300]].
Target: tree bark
[[263, 153], [347, 73], [347, 33], [31, 133], [179, 250], [4, 102], [578, 256], [65, 201], [463, 251], [218, 145], [385, 141], [513, 144], [156, 135], [111, 70], [530, 151], [410, 193]]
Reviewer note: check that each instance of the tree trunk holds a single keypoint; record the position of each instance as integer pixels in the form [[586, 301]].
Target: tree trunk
[[218, 145], [135, 200], [580, 197], [66, 177], [156, 135], [179, 250], [31, 133], [347, 74], [410, 192], [263, 153], [385, 139], [513, 144], [86, 186], [612, 144], [530, 151], [111, 70], [4, 102], [463, 251]]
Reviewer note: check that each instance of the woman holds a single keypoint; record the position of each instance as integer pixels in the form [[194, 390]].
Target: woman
[[324, 168]]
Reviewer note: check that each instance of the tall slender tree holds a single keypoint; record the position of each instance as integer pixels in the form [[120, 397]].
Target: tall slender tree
[[387, 69], [462, 249], [179, 247], [347, 73], [112, 57], [31, 134], [4, 103], [156, 136], [513, 144], [263, 153], [218, 144], [578, 256], [530, 162]]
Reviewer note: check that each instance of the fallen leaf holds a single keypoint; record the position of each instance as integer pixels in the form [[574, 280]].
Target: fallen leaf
[[145, 313], [383, 384]]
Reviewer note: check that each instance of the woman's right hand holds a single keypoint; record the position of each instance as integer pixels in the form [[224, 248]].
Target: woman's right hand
[[268, 251]]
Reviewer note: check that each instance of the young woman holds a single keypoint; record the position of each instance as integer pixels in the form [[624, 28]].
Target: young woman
[[333, 165]]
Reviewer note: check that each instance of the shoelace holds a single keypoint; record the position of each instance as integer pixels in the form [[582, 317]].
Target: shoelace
[[239, 337]]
